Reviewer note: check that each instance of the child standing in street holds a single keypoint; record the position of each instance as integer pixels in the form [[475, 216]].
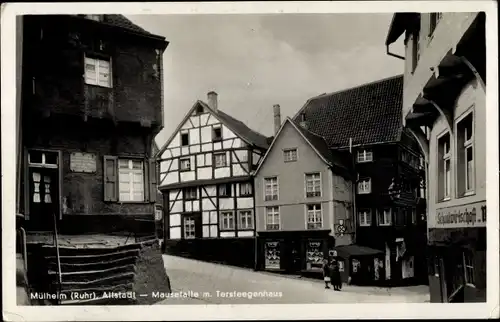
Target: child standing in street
[[326, 273]]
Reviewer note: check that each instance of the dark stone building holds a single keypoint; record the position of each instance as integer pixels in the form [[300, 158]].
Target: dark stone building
[[91, 104], [364, 124]]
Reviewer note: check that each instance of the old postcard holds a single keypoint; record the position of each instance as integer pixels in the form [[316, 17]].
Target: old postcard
[[250, 160]]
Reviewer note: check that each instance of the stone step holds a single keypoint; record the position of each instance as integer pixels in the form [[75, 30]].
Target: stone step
[[90, 275], [76, 258], [87, 250], [106, 281], [89, 266]]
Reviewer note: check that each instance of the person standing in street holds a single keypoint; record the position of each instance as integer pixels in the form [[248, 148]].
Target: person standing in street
[[335, 277], [326, 273]]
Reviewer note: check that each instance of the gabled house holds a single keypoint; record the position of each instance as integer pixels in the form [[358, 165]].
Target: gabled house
[[445, 110], [206, 179], [303, 196], [91, 103], [364, 124]]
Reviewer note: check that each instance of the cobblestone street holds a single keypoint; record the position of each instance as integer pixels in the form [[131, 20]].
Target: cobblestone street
[[196, 282]]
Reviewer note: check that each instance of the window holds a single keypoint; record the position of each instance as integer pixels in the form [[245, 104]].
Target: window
[[246, 219], [97, 72], [158, 214], [227, 220], [43, 159], [313, 185], [365, 186], [314, 216], [131, 180], [365, 217], [444, 167], [271, 188], [365, 156], [385, 217], [290, 155], [413, 216], [272, 218], [184, 139], [189, 228], [245, 189], [224, 190], [465, 156], [190, 194], [469, 267], [185, 164], [216, 134], [199, 109], [220, 160], [434, 19]]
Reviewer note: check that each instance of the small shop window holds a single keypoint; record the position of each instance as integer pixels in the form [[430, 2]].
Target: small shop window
[[314, 255], [272, 253]]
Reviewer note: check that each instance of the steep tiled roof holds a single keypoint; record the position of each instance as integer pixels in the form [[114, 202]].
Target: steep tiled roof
[[242, 129], [369, 114]]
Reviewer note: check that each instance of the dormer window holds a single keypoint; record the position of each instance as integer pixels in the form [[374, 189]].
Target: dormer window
[[365, 156], [94, 17]]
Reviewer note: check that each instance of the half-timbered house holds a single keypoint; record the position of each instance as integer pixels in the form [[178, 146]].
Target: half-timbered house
[[206, 179]]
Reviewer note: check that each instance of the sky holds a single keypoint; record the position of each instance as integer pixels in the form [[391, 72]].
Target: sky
[[254, 61]]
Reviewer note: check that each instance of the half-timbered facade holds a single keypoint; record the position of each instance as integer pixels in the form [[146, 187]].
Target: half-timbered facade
[[206, 177]]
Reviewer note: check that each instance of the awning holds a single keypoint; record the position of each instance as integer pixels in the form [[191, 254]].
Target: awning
[[356, 251]]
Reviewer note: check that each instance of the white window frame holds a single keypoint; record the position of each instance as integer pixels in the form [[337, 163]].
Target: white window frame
[[220, 165], [96, 62], [273, 184], [386, 216], [316, 213], [44, 163], [246, 184], [314, 178], [290, 155], [225, 221], [365, 214], [181, 168], [190, 196], [365, 155], [469, 270], [446, 159], [363, 183], [130, 172], [467, 144], [249, 222], [189, 228], [274, 211]]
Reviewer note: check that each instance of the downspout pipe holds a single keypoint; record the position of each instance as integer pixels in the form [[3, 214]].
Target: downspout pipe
[[393, 55]]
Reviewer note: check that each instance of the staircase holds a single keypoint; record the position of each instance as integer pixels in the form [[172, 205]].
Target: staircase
[[92, 276]]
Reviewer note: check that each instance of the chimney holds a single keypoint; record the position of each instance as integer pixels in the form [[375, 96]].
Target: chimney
[[212, 100], [303, 121], [277, 118]]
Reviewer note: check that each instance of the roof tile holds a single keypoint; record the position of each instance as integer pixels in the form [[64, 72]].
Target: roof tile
[[369, 114]]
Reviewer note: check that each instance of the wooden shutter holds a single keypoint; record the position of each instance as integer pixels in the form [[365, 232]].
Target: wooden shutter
[[110, 178], [152, 179]]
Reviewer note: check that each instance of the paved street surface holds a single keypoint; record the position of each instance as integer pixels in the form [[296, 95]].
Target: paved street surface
[[196, 282]]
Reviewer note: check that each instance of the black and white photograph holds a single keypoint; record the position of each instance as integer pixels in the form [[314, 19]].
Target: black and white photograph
[[250, 160]]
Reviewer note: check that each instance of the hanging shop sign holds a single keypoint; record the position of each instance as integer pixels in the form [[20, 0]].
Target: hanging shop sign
[[272, 254], [314, 255], [469, 215]]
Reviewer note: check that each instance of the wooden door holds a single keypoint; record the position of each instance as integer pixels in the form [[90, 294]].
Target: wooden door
[[43, 198]]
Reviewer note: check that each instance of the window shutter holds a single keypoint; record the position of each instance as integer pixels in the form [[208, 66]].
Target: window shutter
[[110, 178], [152, 179]]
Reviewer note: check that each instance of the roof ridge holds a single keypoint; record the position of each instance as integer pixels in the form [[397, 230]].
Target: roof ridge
[[355, 87]]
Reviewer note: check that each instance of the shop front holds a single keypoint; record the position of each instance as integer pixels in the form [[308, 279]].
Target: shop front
[[292, 252], [359, 265]]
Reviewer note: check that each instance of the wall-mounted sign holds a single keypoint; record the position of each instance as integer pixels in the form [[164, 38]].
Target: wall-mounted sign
[[469, 215], [83, 162]]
